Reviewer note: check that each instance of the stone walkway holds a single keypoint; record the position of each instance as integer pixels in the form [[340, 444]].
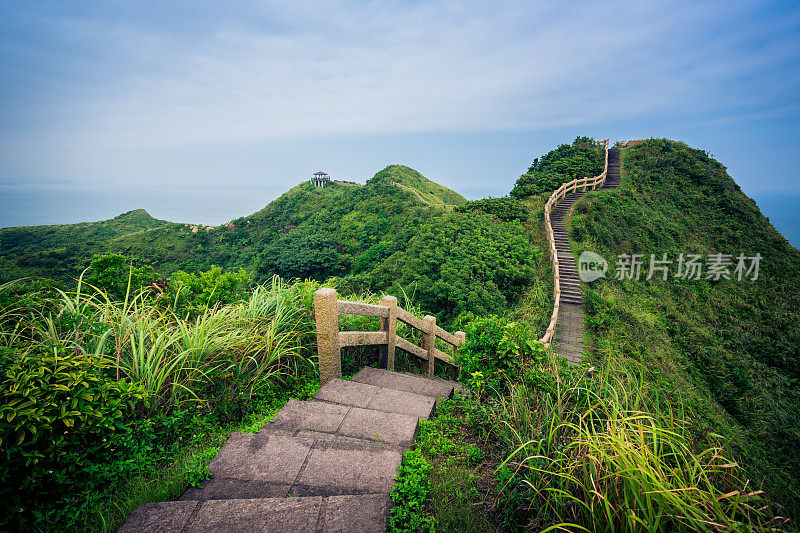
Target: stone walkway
[[568, 336], [324, 465]]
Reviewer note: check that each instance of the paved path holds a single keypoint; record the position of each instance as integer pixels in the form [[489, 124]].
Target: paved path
[[324, 465], [416, 193], [568, 336]]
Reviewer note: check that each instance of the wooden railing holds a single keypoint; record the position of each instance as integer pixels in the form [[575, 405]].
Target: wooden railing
[[583, 184], [330, 341]]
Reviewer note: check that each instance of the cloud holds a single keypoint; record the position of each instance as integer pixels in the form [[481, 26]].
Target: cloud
[[245, 73]]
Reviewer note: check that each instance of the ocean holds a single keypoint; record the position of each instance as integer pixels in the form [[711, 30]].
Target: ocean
[[783, 211], [213, 206]]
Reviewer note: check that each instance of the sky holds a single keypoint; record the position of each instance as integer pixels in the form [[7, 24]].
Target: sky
[[205, 111]]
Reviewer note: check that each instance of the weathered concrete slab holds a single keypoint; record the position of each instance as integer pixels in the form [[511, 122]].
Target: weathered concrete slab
[[405, 382], [256, 515], [408, 403], [348, 467], [253, 457], [226, 488], [391, 428], [159, 517], [317, 416], [322, 438], [367, 513], [344, 420], [377, 398], [346, 393]]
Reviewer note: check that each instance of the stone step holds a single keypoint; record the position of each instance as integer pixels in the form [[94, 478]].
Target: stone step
[[377, 398], [414, 383], [347, 421], [266, 464], [367, 513]]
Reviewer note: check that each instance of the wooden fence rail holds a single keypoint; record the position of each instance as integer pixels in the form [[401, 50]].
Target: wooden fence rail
[[327, 308], [584, 184]]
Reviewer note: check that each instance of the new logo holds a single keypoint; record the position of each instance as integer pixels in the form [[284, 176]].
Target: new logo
[[591, 266]]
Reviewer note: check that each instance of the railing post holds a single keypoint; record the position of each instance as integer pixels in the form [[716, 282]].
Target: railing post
[[389, 325], [326, 314], [428, 344], [462, 338]]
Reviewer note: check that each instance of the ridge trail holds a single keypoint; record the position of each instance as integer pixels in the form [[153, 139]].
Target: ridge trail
[[568, 336]]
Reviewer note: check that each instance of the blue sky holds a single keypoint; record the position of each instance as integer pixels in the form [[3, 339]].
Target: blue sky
[[205, 111]]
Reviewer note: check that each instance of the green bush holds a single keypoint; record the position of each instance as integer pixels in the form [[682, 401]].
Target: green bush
[[197, 292], [409, 495], [60, 415], [583, 158], [115, 275], [494, 354], [505, 209]]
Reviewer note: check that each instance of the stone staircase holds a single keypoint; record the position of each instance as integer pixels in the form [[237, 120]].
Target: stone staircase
[[324, 465], [568, 337]]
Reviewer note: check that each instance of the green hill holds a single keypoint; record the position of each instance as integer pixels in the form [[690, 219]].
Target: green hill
[[428, 191], [728, 350], [49, 250], [307, 232]]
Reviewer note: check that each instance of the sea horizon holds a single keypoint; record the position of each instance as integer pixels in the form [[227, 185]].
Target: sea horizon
[[73, 204]]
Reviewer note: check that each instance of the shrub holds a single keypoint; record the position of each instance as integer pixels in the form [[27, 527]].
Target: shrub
[[196, 292], [60, 415], [113, 274], [494, 354], [409, 495]]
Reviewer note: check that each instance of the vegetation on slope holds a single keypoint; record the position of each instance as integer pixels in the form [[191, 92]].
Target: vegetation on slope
[[640, 437], [430, 191], [99, 394], [52, 250], [583, 158], [729, 350], [377, 237]]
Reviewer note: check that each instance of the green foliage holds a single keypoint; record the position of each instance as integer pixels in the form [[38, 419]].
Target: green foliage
[[409, 495], [604, 452], [60, 414], [97, 390], [196, 292], [730, 348], [505, 209], [583, 158], [429, 190], [61, 250], [462, 263], [495, 353], [112, 274], [302, 253], [439, 484]]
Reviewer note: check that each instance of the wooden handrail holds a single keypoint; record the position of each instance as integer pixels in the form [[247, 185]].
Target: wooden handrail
[[327, 308], [555, 198]]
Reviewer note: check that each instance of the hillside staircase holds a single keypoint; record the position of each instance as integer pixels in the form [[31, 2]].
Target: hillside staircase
[[567, 340], [325, 465]]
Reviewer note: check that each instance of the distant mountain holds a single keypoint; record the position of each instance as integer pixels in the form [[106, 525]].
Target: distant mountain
[[428, 191], [352, 219]]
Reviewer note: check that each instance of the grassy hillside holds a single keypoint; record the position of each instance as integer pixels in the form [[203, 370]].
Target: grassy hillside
[[375, 237], [40, 249], [428, 190], [583, 158], [729, 350], [349, 219]]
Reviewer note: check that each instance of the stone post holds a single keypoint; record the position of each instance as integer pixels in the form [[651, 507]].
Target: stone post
[[428, 344], [462, 338], [389, 325], [326, 314]]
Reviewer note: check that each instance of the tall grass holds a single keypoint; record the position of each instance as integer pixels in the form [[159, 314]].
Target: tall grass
[[175, 358], [601, 452]]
